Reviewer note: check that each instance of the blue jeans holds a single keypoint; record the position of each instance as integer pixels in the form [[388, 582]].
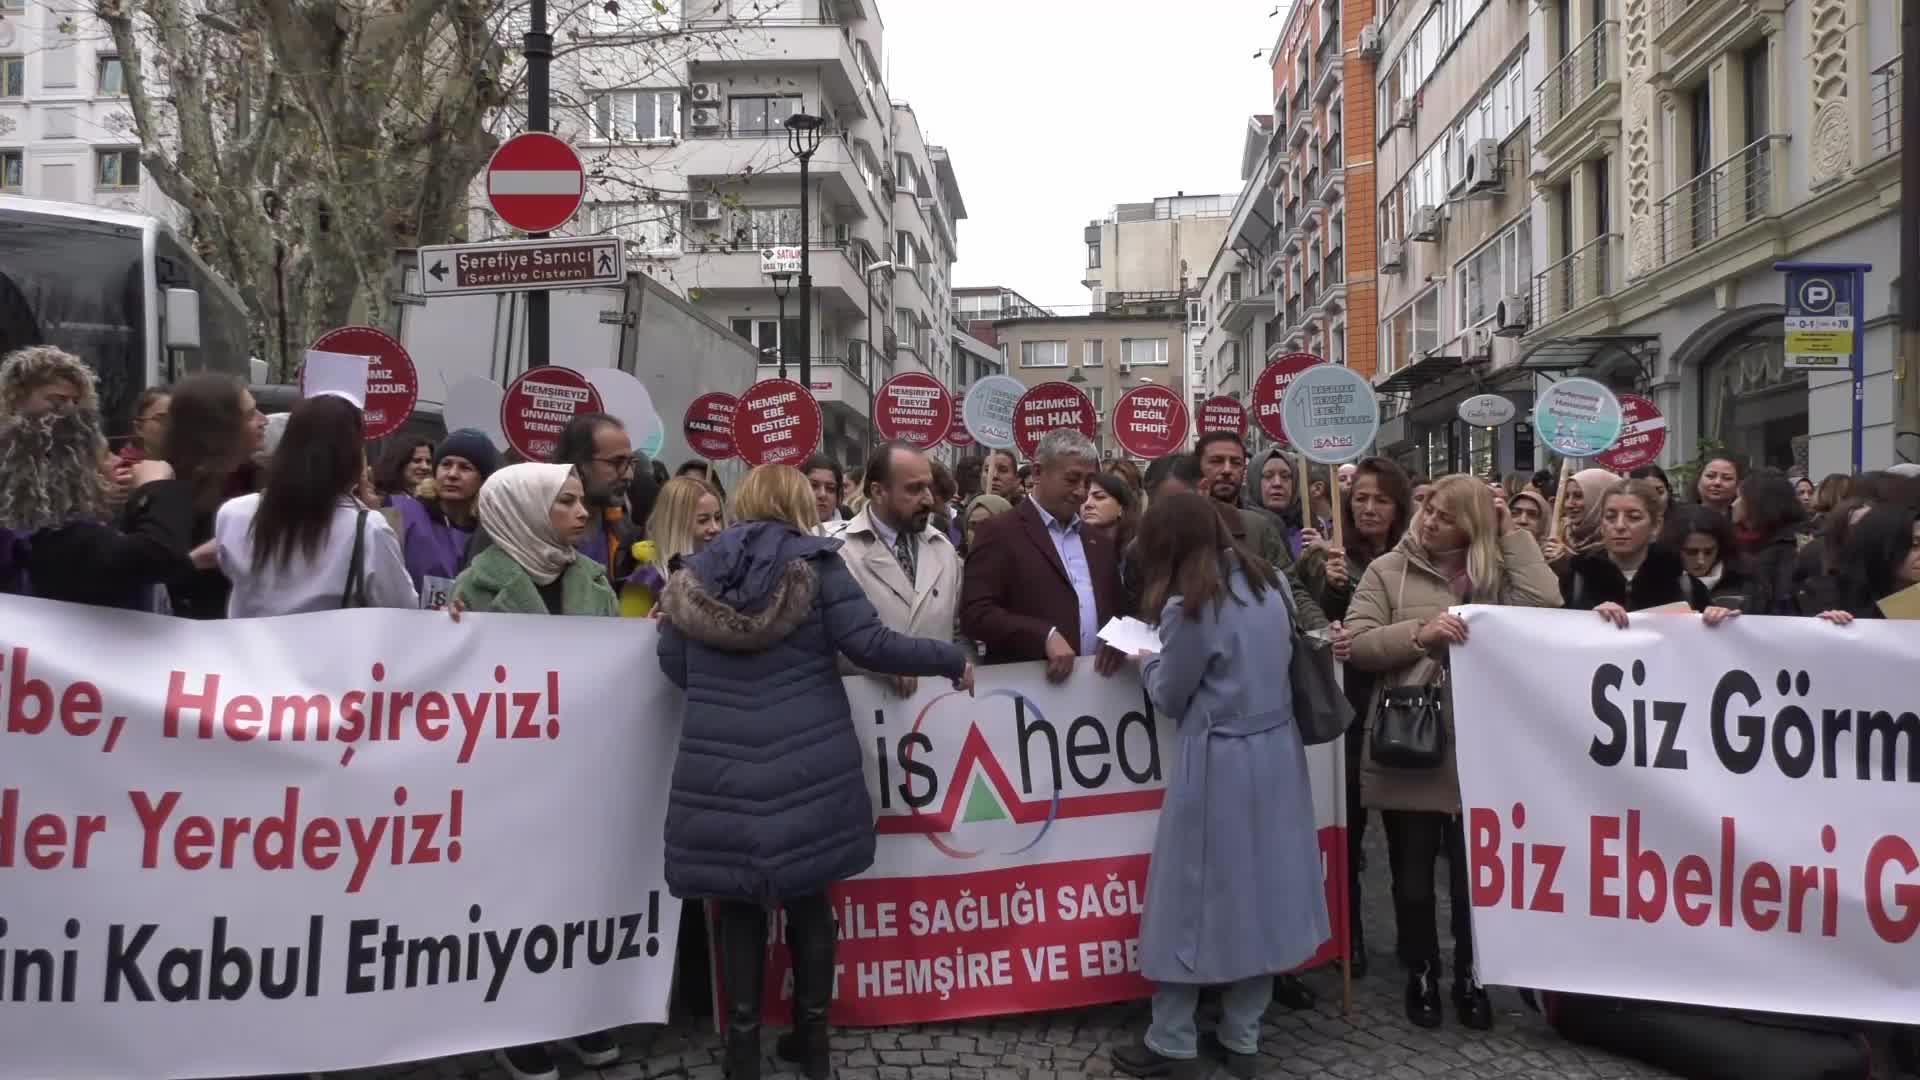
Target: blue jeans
[[1173, 1034]]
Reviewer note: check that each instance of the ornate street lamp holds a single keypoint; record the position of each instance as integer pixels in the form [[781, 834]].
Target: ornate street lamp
[[803, 138]]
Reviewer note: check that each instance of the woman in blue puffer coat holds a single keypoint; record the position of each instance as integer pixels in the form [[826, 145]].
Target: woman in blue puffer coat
[[770, 804]]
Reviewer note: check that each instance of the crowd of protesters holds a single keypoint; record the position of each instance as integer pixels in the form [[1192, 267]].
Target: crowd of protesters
[[902, 570]]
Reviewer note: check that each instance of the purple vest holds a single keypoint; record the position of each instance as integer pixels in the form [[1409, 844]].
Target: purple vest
[[433, 547]]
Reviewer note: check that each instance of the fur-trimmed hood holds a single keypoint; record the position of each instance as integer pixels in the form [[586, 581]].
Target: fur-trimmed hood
[[703, 617]]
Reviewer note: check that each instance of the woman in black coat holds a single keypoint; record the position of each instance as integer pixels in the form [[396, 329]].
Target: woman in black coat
[[1767, 519], [1882, 558], [55, 539], [1628, 571], [1704, 537]]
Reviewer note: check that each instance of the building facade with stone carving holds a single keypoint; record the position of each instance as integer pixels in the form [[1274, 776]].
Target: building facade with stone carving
[[1682, 148]]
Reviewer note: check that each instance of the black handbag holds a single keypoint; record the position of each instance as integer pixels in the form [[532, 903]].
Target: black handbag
[[1409, 728], [355, 594], [1321, 711]]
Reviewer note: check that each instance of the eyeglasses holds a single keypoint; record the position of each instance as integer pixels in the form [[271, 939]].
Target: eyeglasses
[[618, 463]]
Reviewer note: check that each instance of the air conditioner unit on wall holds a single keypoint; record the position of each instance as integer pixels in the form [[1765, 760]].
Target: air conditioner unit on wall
[[1512, 316], [704, 119], [1392, 256], [1483, 166], [1403, 113], [1479, 344], [1425, 225], [1370, 43], [704, 93], [704, 210]]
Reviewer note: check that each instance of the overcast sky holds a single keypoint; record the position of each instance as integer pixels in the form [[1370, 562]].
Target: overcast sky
[[1055, 110]]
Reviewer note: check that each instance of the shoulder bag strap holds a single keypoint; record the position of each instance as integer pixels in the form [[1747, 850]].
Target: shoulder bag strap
[[355, 594]]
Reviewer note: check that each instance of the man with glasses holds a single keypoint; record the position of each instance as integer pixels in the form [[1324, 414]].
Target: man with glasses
[[598, 445]]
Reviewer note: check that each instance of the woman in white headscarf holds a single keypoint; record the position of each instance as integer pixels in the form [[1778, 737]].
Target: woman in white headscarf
[[534, 514]]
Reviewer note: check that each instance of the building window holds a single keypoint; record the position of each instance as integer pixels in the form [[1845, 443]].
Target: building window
[[761, 115], [13, 170], [1043, 354], [13, 76], [1092, 353], [1143, 350], [110, 77], [766, 226], [649, 227], [1753, 64], [636, 115], [1093, 255], [1413, 329], [766, 335], [1502, 268], [1098, 395], [116, 170]]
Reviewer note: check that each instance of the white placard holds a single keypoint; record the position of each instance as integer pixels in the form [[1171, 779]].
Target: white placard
[[341, 374]]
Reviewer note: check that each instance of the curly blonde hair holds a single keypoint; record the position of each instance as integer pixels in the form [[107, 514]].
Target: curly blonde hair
[[26, 370], [50, 470]]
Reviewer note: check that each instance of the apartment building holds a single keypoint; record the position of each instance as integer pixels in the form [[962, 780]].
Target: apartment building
[[1162, 247], [66, 130], [1454, 220], [1236, 303], [1105, 353], [1682, 149], [977, 306], [689, 160]]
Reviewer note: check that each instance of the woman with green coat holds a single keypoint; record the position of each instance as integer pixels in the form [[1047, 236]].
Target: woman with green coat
[[534, 514]]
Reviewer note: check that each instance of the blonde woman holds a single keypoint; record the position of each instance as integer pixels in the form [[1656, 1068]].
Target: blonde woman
[[1461, 550], [685, 516], [769, 804]]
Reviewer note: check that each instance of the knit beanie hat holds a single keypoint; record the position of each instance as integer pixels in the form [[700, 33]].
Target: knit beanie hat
[[472, 445]]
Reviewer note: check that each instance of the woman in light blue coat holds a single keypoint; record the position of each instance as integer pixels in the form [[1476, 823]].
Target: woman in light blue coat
[[1235, 893]]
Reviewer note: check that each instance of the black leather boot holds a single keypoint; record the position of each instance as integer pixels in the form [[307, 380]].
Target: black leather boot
[[1470, 1000], [1423, 995], [743, 967], [810, 940]]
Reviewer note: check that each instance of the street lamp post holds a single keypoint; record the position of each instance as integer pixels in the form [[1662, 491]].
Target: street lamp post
[[803, 138], [872, 369], [782, 284], [537, 46]]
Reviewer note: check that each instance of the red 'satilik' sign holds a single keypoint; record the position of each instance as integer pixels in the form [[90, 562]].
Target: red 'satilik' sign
[[1150, 422], [1270, 391], [538, 406], [913, 408], [776, 423], [1050, 407], [393, 383], [1222, 413], [708, 426]]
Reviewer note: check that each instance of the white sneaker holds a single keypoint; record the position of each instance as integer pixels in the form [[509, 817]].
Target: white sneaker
[[594, 1049], [530, 1062]]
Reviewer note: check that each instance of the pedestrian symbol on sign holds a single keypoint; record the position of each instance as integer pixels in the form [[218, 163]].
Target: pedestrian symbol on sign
[[606, 263]]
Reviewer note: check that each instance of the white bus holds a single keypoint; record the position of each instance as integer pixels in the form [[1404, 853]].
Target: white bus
[[119, 290]]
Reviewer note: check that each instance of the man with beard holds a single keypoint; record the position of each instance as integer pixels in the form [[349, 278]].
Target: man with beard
[[1223, 474], [908, 568], [597, 445]]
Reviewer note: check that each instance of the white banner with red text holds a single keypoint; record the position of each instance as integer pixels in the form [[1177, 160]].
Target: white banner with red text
[[325, 841], [1712, 815], [1015, 831]]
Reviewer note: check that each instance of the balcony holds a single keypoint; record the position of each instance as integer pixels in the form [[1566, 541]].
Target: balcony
[[1885, 108], [1332, 173], [1333, 298], [1574, 282], [799, 43], [731, 269], [1302, 118], [1313, 187], [729, 153], [1691, 33], [1310, 294], [1327, 70], [1584, 84], [1240, 307], [1725, 199], [1292, 226]]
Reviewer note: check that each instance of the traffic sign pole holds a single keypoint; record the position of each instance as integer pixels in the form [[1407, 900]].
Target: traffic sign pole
[[1813, 295], [538, 48]]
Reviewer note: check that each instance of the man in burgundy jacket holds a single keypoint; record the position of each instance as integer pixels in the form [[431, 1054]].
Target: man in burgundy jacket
[[1037, 586]]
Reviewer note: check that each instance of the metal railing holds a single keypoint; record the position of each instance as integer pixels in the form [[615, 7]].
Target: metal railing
[[1574, 282], [1886, 108], [1276, 329], [1313, 185], [1664, 13], [1336, 266], [1722, 200], [1586, 67], [1310, 293]]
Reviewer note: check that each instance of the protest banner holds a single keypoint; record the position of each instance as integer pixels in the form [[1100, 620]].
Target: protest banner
[[226, 850], [1015, 831], [1708, 815]]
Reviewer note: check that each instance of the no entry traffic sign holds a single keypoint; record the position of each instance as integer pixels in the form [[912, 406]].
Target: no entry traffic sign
[[913, 408], [709, 426], [539, 404], [776, 423], [1643, 434], [393, 384], [535, 182], [1050, 407], [1270, 392], [1150, 422], [1223, 414]]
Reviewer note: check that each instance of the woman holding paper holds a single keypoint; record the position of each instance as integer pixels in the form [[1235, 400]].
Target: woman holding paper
[[1460, 552], [1629, 571], [1234, 893]]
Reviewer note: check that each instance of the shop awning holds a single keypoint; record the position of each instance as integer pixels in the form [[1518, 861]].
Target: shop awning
[[1594, 352], [1429, 369]]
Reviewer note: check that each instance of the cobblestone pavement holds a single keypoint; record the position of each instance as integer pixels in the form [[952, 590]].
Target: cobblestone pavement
[[1374, 1042]]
